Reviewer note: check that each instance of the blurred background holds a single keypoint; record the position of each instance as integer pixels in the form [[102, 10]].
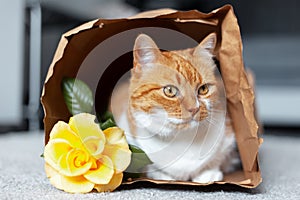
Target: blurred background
[[31, 29]]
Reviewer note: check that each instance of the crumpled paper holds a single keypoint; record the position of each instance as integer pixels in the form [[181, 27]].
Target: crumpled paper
[[76, 44]]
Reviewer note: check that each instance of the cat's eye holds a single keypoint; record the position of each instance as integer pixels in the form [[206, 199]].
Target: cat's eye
[[170, 91], [203, 90]]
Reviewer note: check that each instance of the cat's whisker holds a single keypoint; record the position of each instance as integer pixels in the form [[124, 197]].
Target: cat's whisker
[[206, 124], [214, 103], [213, 121], [217, 111], [217, 114]]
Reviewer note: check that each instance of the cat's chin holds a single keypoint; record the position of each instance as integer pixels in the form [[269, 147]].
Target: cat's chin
[[172, 129]]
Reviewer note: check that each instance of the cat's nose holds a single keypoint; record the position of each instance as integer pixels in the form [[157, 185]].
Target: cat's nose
[[193, 110]]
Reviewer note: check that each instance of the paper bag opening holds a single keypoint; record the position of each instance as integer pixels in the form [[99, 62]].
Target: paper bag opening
[[99, 53]]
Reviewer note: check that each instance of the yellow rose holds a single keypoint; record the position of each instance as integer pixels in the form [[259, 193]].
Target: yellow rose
[[80, 156]]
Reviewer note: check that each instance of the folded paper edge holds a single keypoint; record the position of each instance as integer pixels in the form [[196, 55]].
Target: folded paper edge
[[247, 183]]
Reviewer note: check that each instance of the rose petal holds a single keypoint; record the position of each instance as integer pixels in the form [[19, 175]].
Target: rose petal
[[54, 150], [120, 156], [76, 162], [62, 130], [115, 135], [54, 176], [77, 184], [69, 184], [94, 146], [84, 125], [103, 173], [94, 165], [115, 181]]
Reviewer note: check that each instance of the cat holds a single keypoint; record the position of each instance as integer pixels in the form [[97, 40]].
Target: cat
[[174, 108]]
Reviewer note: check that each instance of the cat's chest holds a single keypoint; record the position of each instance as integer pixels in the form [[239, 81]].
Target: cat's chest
[[190, 147], [186, 146]]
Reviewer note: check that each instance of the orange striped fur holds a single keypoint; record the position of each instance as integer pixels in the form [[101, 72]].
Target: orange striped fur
[[179, 68]]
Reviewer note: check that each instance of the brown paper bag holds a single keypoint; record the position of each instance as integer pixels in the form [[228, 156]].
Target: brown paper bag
[[75, 46]]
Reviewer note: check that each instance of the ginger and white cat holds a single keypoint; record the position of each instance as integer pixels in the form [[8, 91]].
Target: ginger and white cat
[[174, 108]]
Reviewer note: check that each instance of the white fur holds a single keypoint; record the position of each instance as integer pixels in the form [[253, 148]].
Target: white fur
[[195, 153]]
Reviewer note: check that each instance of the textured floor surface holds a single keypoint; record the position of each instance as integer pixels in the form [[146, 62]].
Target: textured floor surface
[[22, 175]]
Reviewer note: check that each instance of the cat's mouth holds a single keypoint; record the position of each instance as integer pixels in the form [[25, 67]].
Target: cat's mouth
[[181, 121], [183, 124], [186, 122]]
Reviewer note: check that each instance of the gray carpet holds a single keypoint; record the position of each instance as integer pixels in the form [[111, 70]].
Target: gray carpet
[[22, 175]]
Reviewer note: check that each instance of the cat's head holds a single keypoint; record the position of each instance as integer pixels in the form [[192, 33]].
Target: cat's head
[[172, 90]]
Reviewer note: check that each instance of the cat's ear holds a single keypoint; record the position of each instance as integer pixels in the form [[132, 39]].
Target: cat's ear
[[208, 44], [145, 50]]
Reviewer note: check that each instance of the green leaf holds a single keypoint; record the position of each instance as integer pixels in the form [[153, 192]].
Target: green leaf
[[78, 96], [108, 115], [107, 124], [42, 155], [139, 160], [106, 120], [129, 176]]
